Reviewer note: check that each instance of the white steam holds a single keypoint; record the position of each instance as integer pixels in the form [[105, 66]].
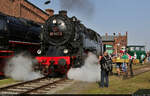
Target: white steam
[[90, 72], [20, 67]]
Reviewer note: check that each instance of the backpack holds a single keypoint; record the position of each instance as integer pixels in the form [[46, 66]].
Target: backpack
[[108, 64]]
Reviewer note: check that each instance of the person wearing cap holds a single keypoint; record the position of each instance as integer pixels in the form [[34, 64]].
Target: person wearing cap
[[104, 73]]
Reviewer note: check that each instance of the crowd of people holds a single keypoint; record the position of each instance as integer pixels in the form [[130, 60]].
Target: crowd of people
[[121, 67], [106, 66]]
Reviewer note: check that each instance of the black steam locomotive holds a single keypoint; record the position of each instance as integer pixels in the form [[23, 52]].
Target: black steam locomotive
[[65, 43], [17, 35], [19, 29]]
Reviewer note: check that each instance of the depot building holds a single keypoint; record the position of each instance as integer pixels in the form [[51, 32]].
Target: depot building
[[25, 9], [115, 42]]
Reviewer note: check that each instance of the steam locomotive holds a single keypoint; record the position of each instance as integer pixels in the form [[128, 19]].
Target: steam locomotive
[[65, 43], [62, 42], [17, 35]]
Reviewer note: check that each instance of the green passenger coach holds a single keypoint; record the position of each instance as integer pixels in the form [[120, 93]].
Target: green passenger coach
[[139, 50]]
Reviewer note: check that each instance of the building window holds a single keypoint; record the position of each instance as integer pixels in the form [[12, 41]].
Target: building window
[[123, 40]]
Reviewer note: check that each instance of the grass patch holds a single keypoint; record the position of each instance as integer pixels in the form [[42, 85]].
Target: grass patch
[[7, 81], [119, 86], [136, 66], [116, 85]]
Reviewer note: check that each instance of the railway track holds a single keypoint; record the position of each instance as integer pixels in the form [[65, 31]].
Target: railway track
[[138, 71], [44, 85], [38, 86]]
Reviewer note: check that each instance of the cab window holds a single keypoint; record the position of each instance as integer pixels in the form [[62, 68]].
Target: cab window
[[137, 48], [142, 49], [131, 48]]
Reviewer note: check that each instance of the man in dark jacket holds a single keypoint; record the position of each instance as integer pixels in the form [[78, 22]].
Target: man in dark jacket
[[104, 73]]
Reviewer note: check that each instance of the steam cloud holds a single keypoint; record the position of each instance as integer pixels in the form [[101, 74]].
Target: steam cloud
[[20, 67], [85, 7], [90, 72]]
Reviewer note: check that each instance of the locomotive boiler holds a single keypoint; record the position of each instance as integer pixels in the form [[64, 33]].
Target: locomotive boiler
[[19, 29], [65, 43], [17, 35]]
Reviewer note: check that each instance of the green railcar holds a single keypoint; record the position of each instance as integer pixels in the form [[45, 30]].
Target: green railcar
[[139, 50]]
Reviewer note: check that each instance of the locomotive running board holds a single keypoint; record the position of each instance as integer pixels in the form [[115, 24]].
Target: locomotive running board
[[26, 43]]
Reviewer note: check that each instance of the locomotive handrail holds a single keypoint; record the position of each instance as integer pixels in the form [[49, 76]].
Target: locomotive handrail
[[20, 42]]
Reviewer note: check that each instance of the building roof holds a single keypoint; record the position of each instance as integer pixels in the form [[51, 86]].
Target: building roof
[[136, 45], [36, 7], [108, 38]]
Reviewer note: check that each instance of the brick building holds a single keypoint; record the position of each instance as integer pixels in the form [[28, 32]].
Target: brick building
[[116, 41], [24, 9]]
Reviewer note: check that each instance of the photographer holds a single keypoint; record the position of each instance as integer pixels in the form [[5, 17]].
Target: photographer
[[106, 67]]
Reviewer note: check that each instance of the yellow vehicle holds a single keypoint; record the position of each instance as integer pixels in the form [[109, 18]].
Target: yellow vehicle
[[118, 60]]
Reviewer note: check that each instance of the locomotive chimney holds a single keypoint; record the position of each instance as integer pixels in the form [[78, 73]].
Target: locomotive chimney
[[50, 12], [63, 12]]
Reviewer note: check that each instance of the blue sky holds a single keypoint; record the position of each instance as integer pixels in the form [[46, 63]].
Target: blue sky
[[114, 16]]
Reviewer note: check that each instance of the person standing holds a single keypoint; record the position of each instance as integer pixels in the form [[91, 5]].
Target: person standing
[[148, 57], [110, 61], [135, 56], [118, 64], [104, 73], [124, 65], [131, 59], [142, 58]]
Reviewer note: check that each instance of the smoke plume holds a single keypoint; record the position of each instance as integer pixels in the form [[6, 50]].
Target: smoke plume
[[90, 72], [20, 67], [85, 7]]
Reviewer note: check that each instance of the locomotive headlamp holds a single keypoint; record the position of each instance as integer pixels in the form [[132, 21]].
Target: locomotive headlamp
[[62, 24], [42, 26], [66, 51], [39, 51], [54, 21]]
